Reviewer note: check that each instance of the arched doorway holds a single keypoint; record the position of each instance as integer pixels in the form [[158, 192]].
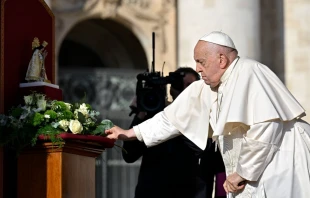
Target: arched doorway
[[99, 60]]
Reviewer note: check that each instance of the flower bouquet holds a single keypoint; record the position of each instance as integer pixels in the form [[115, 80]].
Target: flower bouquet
[[50, 119]]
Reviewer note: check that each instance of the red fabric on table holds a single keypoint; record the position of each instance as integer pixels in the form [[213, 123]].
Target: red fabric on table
[[106, 142]]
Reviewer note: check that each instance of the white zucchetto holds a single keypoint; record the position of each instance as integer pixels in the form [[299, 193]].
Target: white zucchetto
[[218, 38]]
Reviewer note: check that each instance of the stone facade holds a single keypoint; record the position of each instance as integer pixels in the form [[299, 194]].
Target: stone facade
[[142, 17], [232, 17]]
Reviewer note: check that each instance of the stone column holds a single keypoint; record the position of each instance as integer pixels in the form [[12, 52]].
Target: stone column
[[272, 36], [240, 19], [297, 50]]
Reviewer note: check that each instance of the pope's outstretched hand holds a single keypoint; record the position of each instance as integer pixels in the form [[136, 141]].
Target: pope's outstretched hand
[[117, 133]]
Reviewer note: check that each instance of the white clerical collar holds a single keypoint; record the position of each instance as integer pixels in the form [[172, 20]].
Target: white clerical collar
[[229, 70]]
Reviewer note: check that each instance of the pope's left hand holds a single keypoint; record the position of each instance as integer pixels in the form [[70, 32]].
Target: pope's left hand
[[234, 182]]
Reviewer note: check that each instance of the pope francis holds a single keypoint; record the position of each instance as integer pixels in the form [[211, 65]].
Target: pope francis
[[248, 111]]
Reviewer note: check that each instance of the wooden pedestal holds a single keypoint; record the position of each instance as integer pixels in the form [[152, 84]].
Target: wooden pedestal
[[48, 172]]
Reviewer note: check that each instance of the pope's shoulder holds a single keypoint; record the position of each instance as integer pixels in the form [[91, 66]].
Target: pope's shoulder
[[199, 84], [197, 88], [246, 64]]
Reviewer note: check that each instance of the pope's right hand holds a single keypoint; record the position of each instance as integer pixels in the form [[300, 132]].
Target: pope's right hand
[[117, 133]]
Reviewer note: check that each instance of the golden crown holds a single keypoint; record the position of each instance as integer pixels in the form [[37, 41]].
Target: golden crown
[[35, 43], [44, 44]]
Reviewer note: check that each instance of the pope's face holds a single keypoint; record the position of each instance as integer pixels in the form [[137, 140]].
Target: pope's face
[[207, 64]]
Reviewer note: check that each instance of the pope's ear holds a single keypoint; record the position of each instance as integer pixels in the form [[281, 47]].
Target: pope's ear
[[223, 61]]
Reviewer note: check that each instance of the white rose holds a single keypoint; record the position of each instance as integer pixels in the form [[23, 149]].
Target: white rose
[[28, 100], [64, 124], [40, 96], [68, 105], [41, 104], [47, 116], [75, 126], [84, 110]]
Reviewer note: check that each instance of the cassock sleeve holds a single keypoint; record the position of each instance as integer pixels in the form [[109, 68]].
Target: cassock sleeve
[[258, 147], [156, 130]]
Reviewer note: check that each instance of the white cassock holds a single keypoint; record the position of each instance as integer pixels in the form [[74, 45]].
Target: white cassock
[[256, 122]]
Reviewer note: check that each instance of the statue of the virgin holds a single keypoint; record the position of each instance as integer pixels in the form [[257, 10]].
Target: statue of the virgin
[[36, 67]]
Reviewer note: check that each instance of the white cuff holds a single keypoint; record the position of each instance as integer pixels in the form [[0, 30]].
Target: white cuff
[[138, 133]]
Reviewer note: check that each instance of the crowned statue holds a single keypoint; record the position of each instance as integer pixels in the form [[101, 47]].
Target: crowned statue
[[36, 69]]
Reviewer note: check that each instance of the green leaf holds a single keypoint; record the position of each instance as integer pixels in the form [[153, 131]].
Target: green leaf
[[108, 123], [81, 117], [16, 112], [37, 119], [104, 125]]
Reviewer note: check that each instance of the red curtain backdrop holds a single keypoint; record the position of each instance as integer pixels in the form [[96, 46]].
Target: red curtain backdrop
[[24, 20]]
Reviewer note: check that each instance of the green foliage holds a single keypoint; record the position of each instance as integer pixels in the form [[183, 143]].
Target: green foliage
[[50, 133], [51, 113], [104, 125], [66, 115], [38, 116], [16, 112], [37, 119]]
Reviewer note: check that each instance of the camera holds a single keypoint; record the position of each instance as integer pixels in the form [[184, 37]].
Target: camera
[[151, 90], [151, 87]]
